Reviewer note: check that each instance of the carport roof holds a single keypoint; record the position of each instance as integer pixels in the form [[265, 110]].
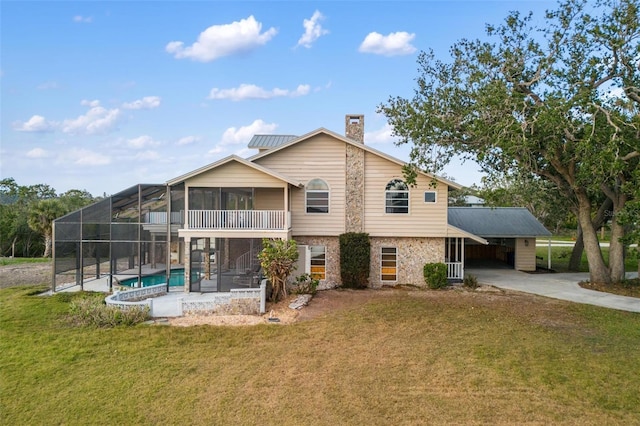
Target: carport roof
[[497, 222]]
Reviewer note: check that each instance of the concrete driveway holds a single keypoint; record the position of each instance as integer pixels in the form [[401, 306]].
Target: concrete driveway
[[562, 286]]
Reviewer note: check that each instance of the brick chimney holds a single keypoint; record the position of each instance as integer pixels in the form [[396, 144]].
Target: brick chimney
[[354, 127]]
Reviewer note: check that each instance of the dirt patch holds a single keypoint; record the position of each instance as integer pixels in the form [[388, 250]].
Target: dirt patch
[[24, 274]]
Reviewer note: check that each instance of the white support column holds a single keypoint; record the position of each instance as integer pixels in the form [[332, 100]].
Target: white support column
[[287, 225], [462, 257], [549, 254]]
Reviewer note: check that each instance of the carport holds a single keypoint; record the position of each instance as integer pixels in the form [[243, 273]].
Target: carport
[[510, 231]]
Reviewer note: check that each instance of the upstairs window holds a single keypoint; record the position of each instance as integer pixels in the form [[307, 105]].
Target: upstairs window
[[317, 196], [397, 197], [429, 196]]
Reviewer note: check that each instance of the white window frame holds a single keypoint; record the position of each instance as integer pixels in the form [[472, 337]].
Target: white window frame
[[318, 262], [435, 197], [317, 191], [382, 264], [387, 191]]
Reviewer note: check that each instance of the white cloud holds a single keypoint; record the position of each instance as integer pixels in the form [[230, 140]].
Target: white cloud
[[48, 85], [233, 136], [148, 102], [187, 140], [37, 153], [215, 150], [141, 142], [91, 104], [36, 124], [83, 19], [85, 157], [251, 91], [147, 155], [380, 136], [223, 40], [312, 30], [394, 44], [97, 120]]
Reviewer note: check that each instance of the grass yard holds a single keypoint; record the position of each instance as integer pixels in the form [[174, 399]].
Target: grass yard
[[21, 260], [560, 258], [404, 357]]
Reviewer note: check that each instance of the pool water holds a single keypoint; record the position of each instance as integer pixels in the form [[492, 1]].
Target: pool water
[[175, 280]]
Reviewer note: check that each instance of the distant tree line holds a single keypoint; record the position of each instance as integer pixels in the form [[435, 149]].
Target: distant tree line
[[27, 214]]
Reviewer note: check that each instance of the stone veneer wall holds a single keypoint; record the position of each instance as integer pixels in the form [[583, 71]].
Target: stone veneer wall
[[332, 259], [412, 254], [354, 190]]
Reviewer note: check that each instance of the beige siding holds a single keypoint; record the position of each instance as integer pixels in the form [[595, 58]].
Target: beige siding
[[423, 220], [234, 174], [525, 258], [268, 199], [323, 157]]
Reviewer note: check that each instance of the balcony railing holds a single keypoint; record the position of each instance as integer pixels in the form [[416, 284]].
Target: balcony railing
[[160, 218], [265, 220]]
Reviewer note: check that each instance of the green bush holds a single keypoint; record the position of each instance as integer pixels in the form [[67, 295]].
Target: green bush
[[93, 311], [305, 284], [435, 275], [355, 259], [470, 281]]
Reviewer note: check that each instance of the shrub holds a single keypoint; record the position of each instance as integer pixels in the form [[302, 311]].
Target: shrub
[[278, 259], [94, 312], [305, 284], [435, 275], [470, 281], [355, 259]]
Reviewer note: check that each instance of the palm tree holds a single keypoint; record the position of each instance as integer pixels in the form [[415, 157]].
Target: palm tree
[[41, 217]]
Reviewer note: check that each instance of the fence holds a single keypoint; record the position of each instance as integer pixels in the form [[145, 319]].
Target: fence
[[236, 301]]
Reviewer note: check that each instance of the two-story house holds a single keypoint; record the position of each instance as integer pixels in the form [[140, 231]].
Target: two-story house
[[313, 188]]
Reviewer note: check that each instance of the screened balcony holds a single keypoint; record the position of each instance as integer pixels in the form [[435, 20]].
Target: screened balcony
[[237, 209]]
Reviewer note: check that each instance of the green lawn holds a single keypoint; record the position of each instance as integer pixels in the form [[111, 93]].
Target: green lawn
[[560, 258], [20, 260], [436, 357]]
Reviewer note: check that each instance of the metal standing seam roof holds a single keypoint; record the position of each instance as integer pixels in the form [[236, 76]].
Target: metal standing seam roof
[[497, 222], [269, 141]]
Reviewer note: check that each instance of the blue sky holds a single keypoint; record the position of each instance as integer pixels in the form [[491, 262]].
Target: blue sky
[[104, 95]]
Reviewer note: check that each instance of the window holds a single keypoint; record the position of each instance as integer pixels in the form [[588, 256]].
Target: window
[[429, 196], [318, 262], [397, 197], [317, 194], [388, 263]]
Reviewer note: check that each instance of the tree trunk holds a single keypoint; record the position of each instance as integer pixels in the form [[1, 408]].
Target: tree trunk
[[598, 271], [576, 253], [599, 221], [47, 245], [616, 246]]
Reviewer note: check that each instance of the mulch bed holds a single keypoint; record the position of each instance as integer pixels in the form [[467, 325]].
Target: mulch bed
[[625, 288]]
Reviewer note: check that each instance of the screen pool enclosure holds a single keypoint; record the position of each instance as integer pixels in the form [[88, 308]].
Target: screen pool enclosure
[[132, 238]]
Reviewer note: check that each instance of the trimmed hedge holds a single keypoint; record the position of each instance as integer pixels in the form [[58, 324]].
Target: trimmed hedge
[[435, 275], [355, 259]]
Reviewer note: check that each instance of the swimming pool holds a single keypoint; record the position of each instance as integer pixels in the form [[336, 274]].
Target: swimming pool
[[175, 280]]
